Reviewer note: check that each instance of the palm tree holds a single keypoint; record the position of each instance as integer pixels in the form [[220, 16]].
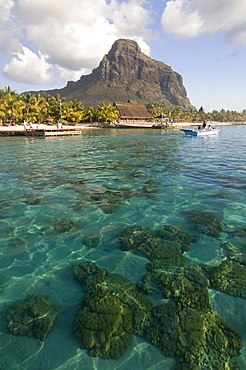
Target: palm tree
[[154, 109], [28, 103], [40, 105], [106, 112], [13, 106], [177, 113], [73, 111], [55, 105], [90, 114]]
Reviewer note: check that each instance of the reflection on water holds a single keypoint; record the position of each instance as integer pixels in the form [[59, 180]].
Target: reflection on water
[[66, 201]]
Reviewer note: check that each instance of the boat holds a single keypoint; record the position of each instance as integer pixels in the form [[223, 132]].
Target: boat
[[200, 132]]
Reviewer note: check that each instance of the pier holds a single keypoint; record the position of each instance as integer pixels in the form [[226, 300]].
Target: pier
[[53, 132], [42, 131]]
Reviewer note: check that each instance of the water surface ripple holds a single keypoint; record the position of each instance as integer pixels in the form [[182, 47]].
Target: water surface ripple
[[162, 174]]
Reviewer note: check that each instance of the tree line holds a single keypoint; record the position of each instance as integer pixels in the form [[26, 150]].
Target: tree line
[[44, 108], [194, 115]]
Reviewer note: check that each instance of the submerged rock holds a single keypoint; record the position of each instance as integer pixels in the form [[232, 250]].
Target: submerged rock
[[162, 330], [109, 200], [240, 233], [133, 236], [103, 325], [198, 339], [234, 252], [228, 277], [98, 280], [187, 286], [151, 186], [33, 317], [109, 207], [205, 340], [91, 240], [175, 233], [163, 254], [65, 225], [186, 327], [205, 222], [34, 200], [164, 247]]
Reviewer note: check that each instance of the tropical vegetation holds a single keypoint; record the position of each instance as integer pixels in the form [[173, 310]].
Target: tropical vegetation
[[194, 115], [44, 108]]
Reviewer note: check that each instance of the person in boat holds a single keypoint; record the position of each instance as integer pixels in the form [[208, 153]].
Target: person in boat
[[204, 125]]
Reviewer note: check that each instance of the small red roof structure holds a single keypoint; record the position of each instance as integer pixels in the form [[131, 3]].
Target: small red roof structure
[[132, 110]]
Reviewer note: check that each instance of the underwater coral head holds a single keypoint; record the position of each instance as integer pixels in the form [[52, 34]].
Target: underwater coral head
[[33, 317], [205, 221], [65, 225], [103, 325]]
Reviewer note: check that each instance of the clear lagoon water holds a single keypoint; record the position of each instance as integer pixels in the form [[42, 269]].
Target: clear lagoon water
[[162, 174]]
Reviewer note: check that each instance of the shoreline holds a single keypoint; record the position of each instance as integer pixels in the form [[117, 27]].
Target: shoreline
[[41, 126], [175, 125]]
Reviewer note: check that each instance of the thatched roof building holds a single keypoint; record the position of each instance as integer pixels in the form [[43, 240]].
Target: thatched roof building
[[132, 110]]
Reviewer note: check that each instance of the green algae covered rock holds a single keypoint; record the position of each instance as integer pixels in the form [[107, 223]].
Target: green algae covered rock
[[96, 279], [35, 200], [65, 225], [89, 273], [133, 236], [91, 240], [162, 330], [175, 233], [237, 253], [205, 222], [151, 186], [110, 207], [184, 327], [241, 233], [163, 254], [187, 286], [206, 340], [199, 339], [228, 277], [103, 325], [33, 317], [189, 329], [164, 247], [110, 200]]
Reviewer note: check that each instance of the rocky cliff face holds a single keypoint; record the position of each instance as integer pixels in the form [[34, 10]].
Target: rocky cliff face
[[126, 73]]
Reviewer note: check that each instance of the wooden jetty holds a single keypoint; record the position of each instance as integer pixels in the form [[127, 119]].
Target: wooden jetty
[[47, 132], [41, 132]]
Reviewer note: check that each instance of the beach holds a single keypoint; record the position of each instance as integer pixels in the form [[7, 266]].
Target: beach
[[35, 126], [41, 126]]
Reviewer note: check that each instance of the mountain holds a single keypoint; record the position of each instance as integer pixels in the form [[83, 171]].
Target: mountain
[[127, 73]]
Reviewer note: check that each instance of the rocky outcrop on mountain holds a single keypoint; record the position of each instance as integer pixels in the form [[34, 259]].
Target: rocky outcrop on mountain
[[127, 73]]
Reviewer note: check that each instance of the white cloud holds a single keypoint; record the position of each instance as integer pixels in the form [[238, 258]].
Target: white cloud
[[191, 18], [8, 41], [27, 67], [60, 38], [130, 19], [180, 18]]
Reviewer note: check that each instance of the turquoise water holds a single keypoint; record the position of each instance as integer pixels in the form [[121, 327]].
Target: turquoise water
[[161, 173]]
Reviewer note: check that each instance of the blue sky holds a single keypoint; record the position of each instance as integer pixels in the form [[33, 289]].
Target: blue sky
[[45, 43]]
